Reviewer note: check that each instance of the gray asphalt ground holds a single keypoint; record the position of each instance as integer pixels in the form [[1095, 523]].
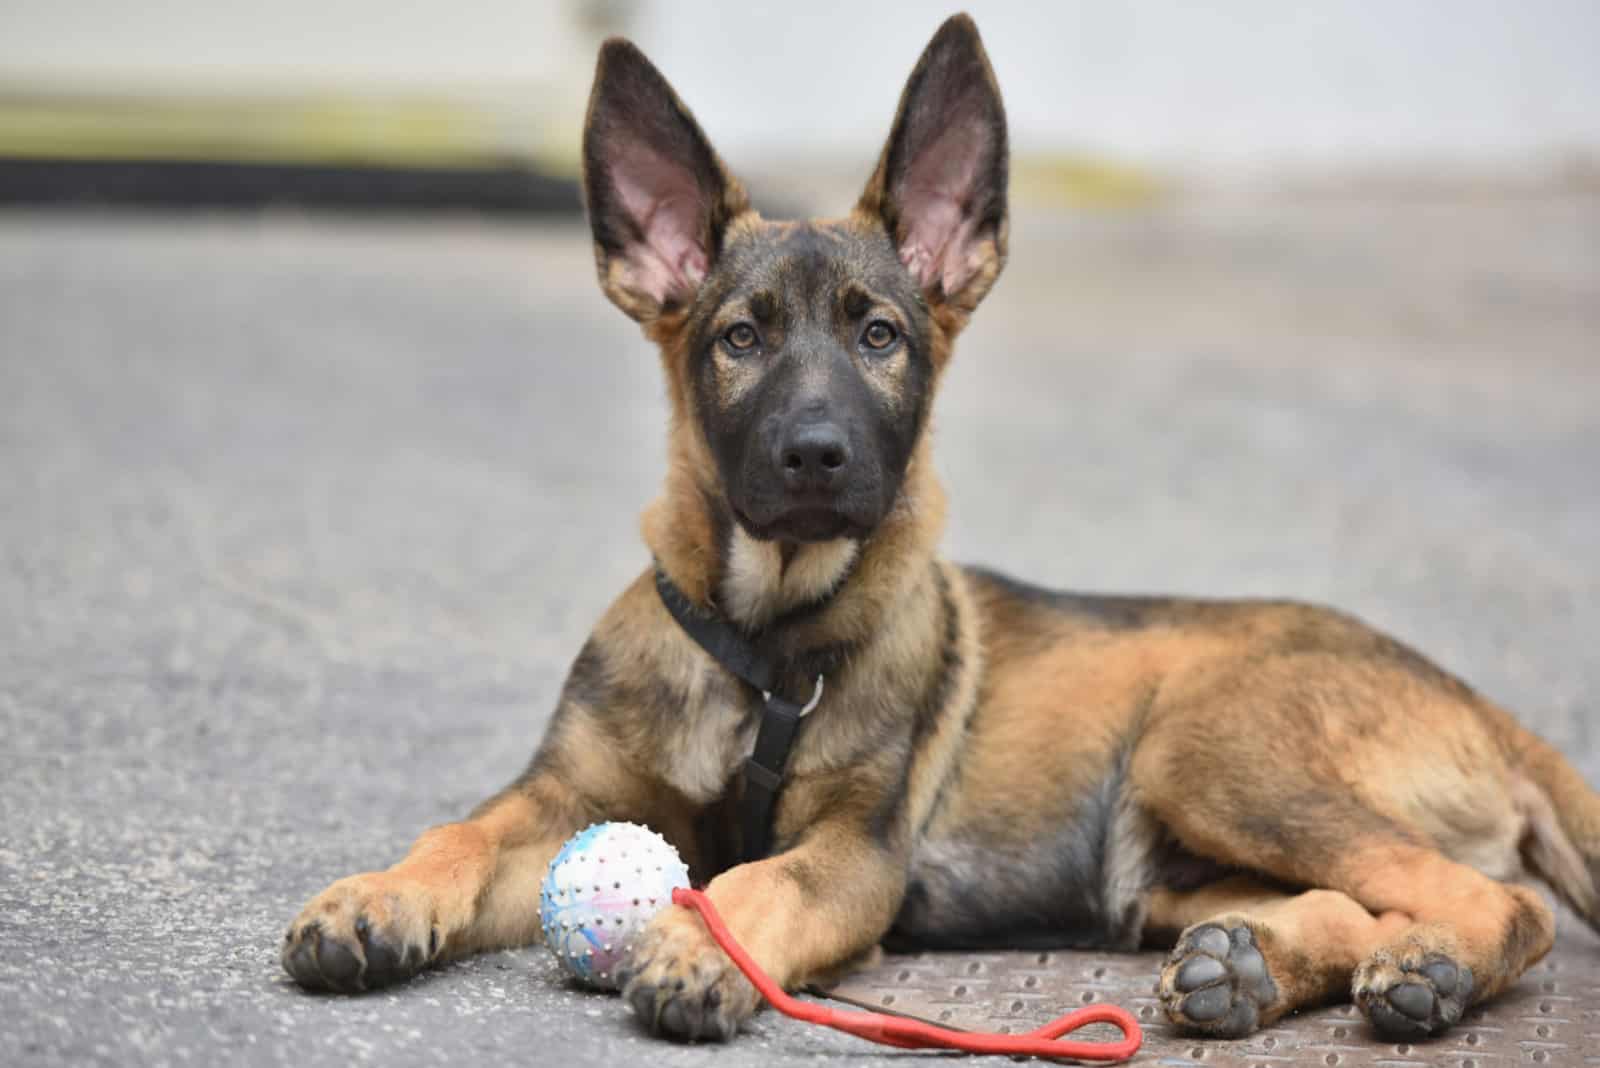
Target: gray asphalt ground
[[301, 522]]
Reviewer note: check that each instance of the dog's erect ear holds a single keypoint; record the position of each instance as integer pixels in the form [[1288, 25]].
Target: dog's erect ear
[[940, 186], [659, 198]]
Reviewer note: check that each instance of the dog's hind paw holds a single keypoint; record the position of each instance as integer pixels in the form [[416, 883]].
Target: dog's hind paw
[[1410, 993], [1216, 981]]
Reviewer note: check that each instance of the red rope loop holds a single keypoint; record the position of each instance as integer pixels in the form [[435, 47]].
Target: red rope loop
[[900, 1031]]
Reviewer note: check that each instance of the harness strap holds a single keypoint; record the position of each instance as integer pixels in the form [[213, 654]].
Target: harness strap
[[726, 643], [780, 717]]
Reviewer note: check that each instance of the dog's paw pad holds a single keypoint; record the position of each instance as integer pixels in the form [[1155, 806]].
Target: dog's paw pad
[[1216, 981], [1410, 995]]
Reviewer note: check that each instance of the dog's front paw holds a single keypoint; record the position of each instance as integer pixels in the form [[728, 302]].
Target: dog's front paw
[[1216, 981], [1410, 992], [680, 983], [362, 933]]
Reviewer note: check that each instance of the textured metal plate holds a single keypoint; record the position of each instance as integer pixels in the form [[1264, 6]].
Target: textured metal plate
[[1551, 1018]]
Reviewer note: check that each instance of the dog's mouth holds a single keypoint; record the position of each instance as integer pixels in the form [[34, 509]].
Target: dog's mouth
[[803, 524]]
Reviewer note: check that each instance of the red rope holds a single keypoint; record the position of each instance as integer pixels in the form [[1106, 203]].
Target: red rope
[[917, 1034]]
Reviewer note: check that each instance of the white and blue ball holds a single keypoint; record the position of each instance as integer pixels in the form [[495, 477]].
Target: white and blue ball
[[600, 892]]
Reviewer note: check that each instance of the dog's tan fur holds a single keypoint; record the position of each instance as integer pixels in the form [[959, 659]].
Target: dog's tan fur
[[1314, 791]]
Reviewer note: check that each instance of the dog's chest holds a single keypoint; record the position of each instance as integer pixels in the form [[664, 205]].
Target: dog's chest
[[709, 745], [702, 754]]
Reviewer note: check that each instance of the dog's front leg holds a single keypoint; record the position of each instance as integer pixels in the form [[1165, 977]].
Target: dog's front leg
[[463, 887], [800, 913]]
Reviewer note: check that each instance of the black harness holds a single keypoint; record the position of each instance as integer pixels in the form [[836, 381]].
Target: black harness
[[780, 717]]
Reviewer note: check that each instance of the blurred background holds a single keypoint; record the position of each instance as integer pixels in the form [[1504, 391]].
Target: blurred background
[[469, 101], [320, 450]]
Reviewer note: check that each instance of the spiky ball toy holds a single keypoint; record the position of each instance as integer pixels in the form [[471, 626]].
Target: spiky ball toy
[[600, 891]]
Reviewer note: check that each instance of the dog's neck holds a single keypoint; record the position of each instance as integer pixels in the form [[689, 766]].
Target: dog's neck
[[754, 583], [762, 580]]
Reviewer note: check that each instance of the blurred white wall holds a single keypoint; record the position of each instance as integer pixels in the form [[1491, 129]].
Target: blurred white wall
[[1233, 83], [286, 45]]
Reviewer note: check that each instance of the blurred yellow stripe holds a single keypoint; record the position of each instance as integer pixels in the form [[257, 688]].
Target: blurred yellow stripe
[[1082, 181], [328, 131]]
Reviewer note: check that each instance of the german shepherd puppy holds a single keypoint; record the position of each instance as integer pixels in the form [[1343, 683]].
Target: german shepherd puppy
[[1304, 808]]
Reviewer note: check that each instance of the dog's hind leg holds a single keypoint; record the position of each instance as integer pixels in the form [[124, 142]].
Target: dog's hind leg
[[1248, 953], [1472, 937], [1370, 778]]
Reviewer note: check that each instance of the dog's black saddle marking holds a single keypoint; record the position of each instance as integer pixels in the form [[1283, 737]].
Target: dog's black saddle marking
[[780, 717]]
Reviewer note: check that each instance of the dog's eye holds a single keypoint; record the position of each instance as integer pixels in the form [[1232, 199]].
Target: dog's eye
[[880, 335], [741, 337]]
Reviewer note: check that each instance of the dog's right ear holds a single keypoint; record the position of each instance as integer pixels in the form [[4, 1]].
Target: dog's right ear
[[659, 198], [940, 186]]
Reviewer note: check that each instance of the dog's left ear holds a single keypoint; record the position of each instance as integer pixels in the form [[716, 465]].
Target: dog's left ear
[[940, 186], [659, 198]]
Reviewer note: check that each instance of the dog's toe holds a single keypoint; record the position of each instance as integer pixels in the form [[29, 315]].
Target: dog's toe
[[338, 962], [1200, 970], [300, 956], [1207, 1006]]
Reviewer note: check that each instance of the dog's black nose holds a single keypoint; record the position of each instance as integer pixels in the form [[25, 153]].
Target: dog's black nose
[[814, 456]]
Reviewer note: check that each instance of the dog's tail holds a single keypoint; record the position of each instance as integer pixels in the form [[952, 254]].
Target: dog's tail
[[1562, 845]]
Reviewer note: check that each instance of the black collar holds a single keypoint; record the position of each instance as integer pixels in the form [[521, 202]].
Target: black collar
[[780, 717]]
